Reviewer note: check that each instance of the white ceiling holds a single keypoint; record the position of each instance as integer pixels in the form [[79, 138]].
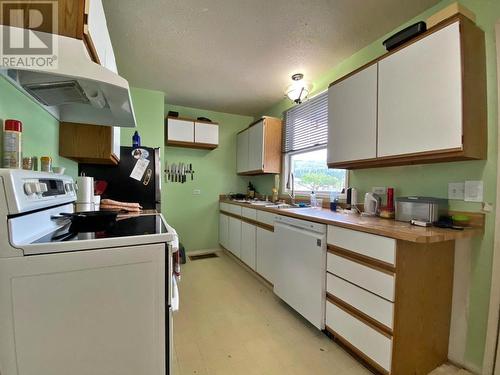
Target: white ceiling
[[237, 56]]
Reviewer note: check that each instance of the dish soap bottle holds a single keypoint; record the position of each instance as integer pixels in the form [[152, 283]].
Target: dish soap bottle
[[136, 139], [312, 200]]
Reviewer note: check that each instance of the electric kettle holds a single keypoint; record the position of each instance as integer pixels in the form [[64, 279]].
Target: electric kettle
[[372, 204]]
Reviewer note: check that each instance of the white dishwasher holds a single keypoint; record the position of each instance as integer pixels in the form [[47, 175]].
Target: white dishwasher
[[300, 267]]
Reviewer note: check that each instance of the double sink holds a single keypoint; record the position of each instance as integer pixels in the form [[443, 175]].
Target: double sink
[[280, 206]]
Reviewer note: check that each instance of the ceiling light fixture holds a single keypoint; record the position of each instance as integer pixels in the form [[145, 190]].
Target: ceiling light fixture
[[298, 90]]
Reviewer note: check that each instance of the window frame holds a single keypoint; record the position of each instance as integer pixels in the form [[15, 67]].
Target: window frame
[[286, 168]]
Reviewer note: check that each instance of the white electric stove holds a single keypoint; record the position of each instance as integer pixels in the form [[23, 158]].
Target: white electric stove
[[80, 303]]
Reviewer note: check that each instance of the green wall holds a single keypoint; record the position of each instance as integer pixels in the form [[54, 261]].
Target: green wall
[[195, 217], [40, 129], [433, 179]]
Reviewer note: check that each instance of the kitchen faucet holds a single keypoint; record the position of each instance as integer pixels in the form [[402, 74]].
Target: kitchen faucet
[[291, 178]]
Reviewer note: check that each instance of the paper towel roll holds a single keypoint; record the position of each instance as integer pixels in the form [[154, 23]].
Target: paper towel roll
[[85, 192]]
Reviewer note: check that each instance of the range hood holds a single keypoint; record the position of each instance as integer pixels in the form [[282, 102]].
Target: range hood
[[77, 89]]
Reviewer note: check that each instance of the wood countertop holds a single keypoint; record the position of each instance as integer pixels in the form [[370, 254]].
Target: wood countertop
[[375, 225]]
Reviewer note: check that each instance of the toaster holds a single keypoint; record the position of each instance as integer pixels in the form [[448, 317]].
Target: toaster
[[420, 208]]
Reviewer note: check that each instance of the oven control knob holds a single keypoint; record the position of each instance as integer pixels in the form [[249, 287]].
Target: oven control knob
[[68, 187], [37, 187], [43, 187], [28, 188]]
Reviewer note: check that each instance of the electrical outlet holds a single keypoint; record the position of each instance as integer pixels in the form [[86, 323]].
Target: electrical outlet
[[456, 190], [473, 191], [379, 190], [196, 192]]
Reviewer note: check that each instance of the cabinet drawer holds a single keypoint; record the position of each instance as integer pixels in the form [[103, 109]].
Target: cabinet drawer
[[375, 307], [367, 278], [234, 209], [370, 245], [249, 213], [370, 342], [265, 217], [224, 206]]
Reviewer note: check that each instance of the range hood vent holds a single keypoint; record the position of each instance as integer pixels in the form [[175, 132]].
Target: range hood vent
[[57, 93], [77, 90]]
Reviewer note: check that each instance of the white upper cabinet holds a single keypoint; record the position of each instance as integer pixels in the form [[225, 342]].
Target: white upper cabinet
[[96, 32], [206, 133], [256, 147], [424, 102], [259, 147], [352, 117], [242, 152], [420, 96], [180, 130]]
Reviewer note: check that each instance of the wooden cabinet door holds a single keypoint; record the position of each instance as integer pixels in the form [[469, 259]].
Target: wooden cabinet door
[[234, 241], [420, 96], [265, 254], [352, 117], [248, 244], [223, 230], [206, 133], [180, 130], [256, 147], [242, 152]]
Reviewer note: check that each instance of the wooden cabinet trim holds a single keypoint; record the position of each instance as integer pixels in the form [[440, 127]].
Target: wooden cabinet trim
[[201, 146], [375, 324], [357, 353], [364, 260], [267, 227]]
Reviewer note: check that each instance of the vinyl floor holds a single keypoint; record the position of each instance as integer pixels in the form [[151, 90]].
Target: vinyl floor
[[230, 323]]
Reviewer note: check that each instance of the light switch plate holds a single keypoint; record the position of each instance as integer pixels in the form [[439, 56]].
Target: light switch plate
[[473, 191], [456, 190]]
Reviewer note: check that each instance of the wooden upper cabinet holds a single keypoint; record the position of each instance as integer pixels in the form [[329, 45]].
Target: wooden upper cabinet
[[352, 117], [70, 16], [259, 147], [91, 144], [79, 19], [431, 103]]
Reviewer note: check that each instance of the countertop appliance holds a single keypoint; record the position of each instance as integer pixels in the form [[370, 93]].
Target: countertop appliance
[[77, 90], [426, 209], [126, 186], [372, 204], [81, 302], [300, 269]]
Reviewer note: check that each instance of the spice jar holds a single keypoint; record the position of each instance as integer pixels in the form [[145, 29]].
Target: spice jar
[[46, 164], [12, 143]]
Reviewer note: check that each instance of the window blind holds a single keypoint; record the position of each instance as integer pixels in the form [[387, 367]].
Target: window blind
[[306, 125]]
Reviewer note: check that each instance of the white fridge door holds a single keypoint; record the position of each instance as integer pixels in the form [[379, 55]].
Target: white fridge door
[[301, 271]]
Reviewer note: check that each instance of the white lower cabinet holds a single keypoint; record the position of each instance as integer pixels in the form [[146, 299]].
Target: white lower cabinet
[[265, 254], [248, 244], [234, 236], [369, 341], [223, 230]]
